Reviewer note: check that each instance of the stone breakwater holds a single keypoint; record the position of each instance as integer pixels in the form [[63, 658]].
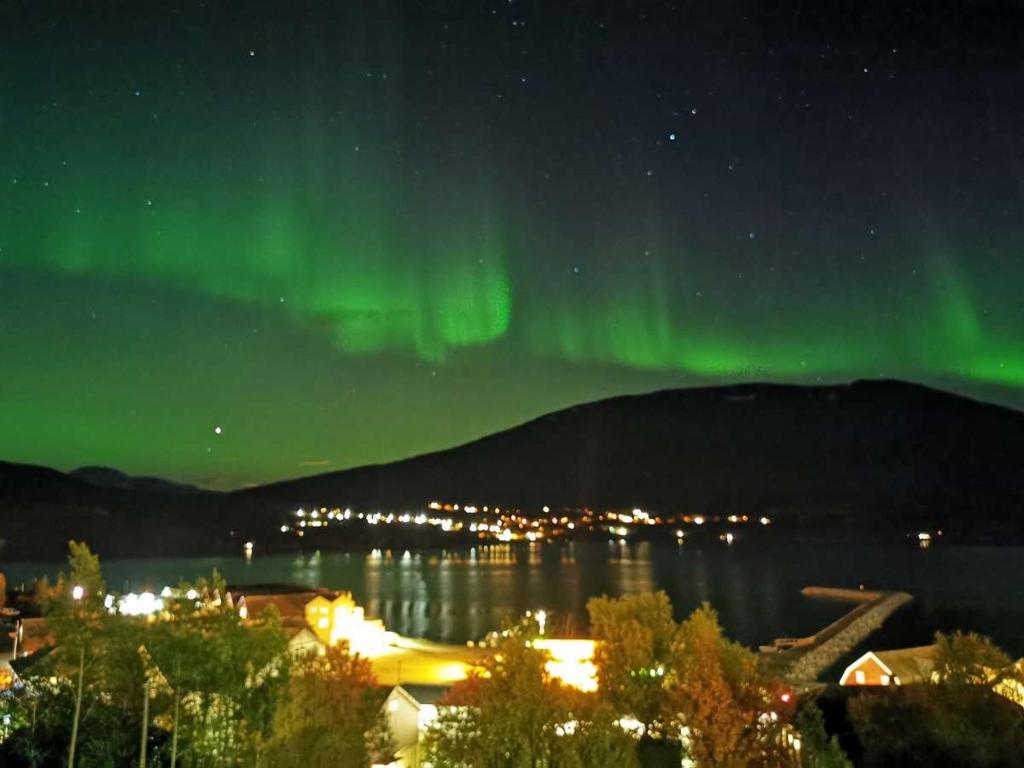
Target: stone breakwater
[[803, 664]]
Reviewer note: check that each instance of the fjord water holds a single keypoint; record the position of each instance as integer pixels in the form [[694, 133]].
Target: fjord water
[[459, 595]]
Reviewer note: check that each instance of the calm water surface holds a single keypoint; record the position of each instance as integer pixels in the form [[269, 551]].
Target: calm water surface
[[460, 595]]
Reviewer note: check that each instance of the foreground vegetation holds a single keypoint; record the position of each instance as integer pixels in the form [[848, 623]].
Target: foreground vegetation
[[201, 687]]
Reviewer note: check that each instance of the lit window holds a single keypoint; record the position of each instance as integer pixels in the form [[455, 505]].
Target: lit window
[[859, 677], [885, 679]]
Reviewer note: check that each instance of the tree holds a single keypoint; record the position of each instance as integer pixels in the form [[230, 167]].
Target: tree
[[728, 714], [938, 725], [329, 712], [958, 719], [817, 750], [634, 636], [513, 715], [90, 648], [223, 675], [968, 659]]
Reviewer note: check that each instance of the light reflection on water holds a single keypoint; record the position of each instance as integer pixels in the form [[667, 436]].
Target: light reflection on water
[[462, 594]]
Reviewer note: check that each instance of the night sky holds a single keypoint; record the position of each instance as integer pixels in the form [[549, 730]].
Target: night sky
[[247, 241]]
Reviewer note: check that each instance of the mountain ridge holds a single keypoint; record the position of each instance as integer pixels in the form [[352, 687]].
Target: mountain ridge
[[874, 455]]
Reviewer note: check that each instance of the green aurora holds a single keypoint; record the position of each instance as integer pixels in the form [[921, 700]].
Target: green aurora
[[336, 270]]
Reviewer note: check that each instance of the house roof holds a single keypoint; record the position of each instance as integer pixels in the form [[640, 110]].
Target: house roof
[[291, 605], [910, 665], [907, 665], [305, 632], [423, 694]]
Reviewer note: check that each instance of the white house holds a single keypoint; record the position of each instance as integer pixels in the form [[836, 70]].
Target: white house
[[409, 710]]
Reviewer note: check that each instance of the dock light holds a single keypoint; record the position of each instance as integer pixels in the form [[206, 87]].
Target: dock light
[[680, 535], [77, 592], [698, 520], [766, 521]]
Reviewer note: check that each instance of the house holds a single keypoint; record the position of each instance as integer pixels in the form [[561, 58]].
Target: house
[[905, 666], [302, 641], [341, 619], [1012, 685], [409, 710], [31, 634], [290, 605], [318, 617]]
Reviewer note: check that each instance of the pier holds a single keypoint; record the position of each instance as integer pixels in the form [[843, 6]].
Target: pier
[[800, 660]]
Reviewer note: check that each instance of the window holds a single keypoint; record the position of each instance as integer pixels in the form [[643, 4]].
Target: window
[[885, 679], [859, 677]]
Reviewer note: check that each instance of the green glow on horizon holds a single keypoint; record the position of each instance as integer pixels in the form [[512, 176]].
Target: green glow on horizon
[[341, 268]]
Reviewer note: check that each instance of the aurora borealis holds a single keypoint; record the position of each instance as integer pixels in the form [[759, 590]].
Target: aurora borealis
[[349, 232]]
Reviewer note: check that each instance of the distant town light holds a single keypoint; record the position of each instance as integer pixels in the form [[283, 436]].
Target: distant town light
[[77, 592], [698, 520], [766, 521]]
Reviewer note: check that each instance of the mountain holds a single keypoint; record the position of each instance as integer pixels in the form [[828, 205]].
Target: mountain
[[41, 509], [107, 477], [871, 450], [873, 456]]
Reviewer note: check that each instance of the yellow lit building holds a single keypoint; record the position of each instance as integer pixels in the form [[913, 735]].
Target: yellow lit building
[[341, 619], [571, 662]]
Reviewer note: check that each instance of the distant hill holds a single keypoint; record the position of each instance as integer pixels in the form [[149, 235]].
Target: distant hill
[[871, 452], [106, 477], [872, 456]]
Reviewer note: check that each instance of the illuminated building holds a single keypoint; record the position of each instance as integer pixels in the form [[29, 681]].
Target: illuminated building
[[341, 619], [571, 662]]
